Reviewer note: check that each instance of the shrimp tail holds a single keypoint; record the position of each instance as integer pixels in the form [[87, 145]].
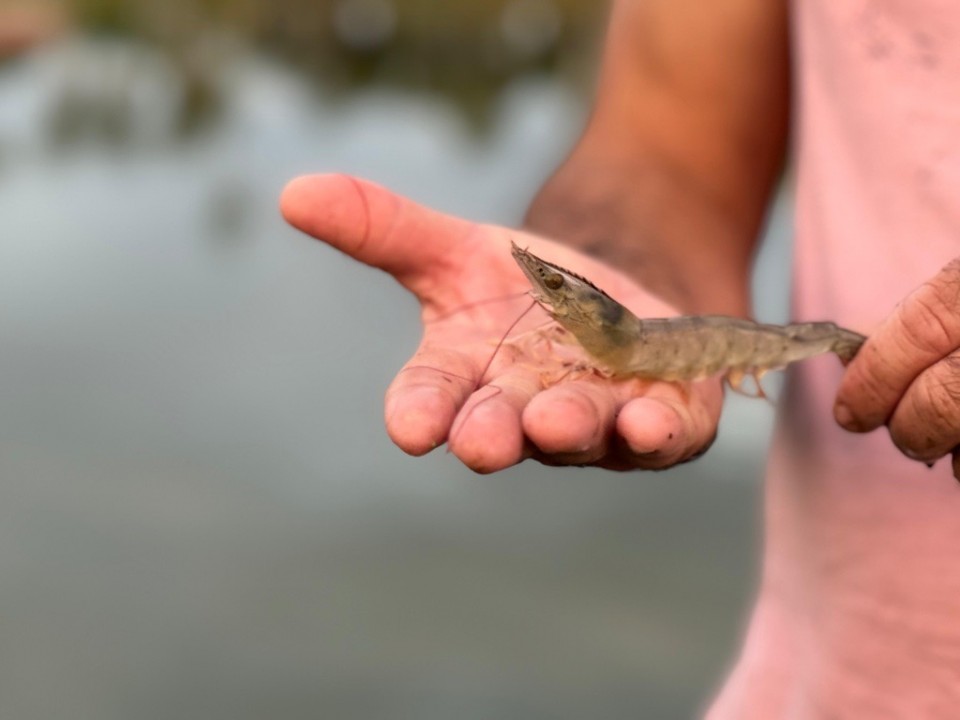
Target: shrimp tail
[[843, 343], [848, 344]]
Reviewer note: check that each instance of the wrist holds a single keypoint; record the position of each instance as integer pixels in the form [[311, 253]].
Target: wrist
[[655, 225]]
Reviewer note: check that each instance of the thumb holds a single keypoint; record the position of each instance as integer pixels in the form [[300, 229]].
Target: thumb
[[922, 330], [373, 225]]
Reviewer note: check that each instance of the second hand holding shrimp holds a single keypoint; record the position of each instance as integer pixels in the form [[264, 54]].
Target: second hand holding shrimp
[[448, 264]]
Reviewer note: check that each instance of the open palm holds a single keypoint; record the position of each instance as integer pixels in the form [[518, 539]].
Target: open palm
[[527, 402]]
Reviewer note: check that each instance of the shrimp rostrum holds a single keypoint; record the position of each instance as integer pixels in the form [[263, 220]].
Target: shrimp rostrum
[[683, 348]]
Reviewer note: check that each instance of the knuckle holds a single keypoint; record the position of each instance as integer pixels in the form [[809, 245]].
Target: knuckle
[[930, 311], [930, 424], [935, 313], [935, 406], [943, 391], [950, 274], [924, 325]]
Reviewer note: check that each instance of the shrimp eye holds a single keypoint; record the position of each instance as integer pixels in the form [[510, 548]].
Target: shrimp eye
[[554, 281]]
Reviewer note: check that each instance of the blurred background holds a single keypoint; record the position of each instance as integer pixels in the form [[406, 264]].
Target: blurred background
[[200, 513]]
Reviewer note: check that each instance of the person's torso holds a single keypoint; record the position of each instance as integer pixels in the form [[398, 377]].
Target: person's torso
[[878, 175]]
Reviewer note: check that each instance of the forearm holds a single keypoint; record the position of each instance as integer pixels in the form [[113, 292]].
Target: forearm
[[672, 175], [653, 224]]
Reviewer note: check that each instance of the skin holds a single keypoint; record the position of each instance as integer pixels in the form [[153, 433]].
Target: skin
[[907, 376], [25, 24], [450, 264], [656, 163], [856, 613]]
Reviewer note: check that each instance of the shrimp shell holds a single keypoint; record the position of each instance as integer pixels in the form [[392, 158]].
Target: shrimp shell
[[690, 347]]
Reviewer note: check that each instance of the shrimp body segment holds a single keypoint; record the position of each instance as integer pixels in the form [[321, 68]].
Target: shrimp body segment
[[683, 348]]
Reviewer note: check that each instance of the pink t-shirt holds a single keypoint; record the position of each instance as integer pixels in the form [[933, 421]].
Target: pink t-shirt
[[859, 614], [878, 198]]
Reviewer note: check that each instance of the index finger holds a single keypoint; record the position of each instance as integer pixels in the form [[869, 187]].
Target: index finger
[[924, 329]]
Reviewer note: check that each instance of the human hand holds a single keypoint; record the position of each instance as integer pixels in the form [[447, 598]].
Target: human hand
[[907, 374], [522, 406], [25, 24]]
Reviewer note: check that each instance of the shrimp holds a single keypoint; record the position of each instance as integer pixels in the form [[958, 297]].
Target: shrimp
[[683, 348]]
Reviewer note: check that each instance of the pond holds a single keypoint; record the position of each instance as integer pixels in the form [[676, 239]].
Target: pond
[[200, 512]]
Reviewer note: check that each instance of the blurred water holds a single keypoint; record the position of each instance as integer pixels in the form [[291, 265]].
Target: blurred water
[[200, 513]]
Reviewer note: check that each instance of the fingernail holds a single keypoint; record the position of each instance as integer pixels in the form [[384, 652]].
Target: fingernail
[[844, 417]]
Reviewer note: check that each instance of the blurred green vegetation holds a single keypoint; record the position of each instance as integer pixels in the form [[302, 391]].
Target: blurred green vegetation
[[466, 50]]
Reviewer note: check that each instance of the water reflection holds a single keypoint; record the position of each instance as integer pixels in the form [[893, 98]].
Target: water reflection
[[201, 514], [466, 51]]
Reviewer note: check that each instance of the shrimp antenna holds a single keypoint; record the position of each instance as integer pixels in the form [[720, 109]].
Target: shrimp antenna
[[478, 303], [493, 355], [502, 340]]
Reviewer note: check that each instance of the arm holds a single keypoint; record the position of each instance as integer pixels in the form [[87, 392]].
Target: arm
[[23, 25], [672, 175]]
